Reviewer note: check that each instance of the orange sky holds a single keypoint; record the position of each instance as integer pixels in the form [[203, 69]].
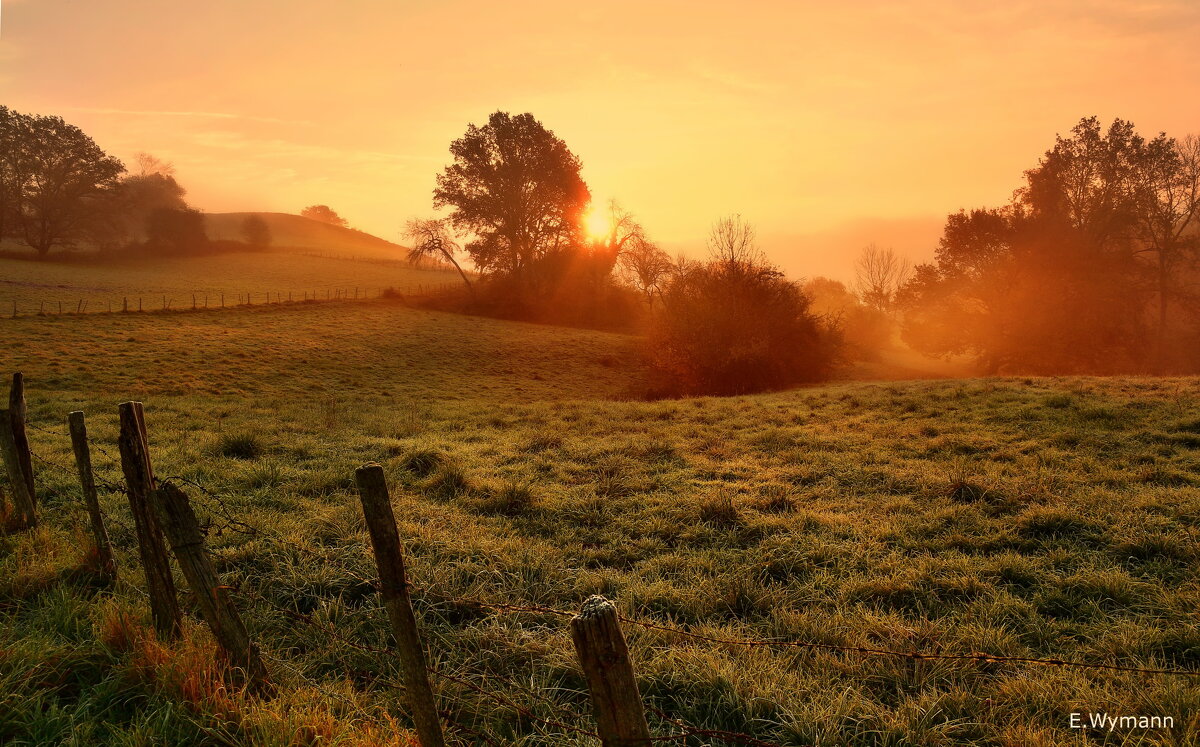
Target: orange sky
[[828, 125]]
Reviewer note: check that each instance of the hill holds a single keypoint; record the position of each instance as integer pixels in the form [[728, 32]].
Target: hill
[[294, 231], [1048, 518]]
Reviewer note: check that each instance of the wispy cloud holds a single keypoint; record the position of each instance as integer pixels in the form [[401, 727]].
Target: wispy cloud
[[198, 115]]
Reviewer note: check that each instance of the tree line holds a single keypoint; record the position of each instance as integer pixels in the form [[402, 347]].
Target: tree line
[[1092, 267], [59, 189]]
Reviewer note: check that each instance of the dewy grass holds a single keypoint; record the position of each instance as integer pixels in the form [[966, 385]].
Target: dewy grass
[[1047, 518]]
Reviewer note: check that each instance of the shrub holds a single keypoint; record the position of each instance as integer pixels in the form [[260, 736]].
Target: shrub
[[733, 327]]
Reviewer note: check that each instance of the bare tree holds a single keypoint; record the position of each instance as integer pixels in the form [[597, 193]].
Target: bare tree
[[645, 266], [733, 242], [434, 238], [149, 165], [879, 274]]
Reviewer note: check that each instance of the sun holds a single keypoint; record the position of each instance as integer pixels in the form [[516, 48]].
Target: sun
[[597, 224]]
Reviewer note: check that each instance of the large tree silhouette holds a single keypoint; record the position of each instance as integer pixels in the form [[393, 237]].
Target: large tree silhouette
[[55, 179], [515, 187]]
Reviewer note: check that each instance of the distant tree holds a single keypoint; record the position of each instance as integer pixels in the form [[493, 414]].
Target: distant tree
[[138, 195], [9, 186], [733, 242], [256, 232], [865, 330], [516, 188], [176, 231], [879, 275], [1168, 198], [325, 214], [148, 165], [645, 267], [56, 180], [434, 238]]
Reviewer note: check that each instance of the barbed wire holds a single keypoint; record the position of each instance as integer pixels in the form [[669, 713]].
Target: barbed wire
[[232, 523], [754, 643]]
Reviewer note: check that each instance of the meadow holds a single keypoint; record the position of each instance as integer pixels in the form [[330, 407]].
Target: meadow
[[1043, 517], [33, 287]]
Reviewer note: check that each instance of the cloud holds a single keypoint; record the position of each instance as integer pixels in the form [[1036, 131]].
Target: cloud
[[199, 115]]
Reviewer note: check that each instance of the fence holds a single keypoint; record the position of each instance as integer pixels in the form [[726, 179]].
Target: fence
[[201, 301], [164, 517]]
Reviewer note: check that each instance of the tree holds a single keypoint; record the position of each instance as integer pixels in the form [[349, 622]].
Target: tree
[[256, 232], [8, 177], [735, 324], [1168, 195], [733, 242], [645, 267], [149, 165], [176, 230], [623, 230], [879, 275], [516, 188], [434, 238], [56, 180], [325, 214], [1063, 279], [138, 195]]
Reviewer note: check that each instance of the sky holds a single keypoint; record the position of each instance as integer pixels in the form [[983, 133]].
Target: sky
[[826, 125]]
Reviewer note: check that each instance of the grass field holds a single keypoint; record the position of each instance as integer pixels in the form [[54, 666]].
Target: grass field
[[1021, 517], [41, 286]]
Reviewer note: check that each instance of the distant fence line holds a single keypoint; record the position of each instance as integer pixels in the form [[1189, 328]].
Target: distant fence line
[[163, 518], [200, 301]]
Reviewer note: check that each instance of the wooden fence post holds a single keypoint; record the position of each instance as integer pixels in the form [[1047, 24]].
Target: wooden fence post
[[139, 481], [616, 701], [17, 413], [187, 542], [83, 462], [23, 500], [385, 541]]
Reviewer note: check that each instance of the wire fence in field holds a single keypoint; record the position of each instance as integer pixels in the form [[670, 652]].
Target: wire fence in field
[[460, 694], [159, 303]]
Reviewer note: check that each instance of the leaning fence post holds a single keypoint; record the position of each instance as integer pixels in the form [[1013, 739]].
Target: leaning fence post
[[139, 481], [183, 532], [17, 413], [385, 541], [83, 462], [23, 500], [616, 701]]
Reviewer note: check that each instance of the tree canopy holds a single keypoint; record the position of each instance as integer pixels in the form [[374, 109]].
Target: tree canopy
[[516, 188], [54, 181]]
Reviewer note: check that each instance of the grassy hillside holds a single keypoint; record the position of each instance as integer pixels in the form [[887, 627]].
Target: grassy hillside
[[297, 232], [1023, 517], [40, 286]]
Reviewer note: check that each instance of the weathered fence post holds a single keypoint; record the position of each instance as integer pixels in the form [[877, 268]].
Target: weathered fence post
[[83, 462], [183, 532], [616, 701], [385, 540], [23, 499], [139, 481]]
